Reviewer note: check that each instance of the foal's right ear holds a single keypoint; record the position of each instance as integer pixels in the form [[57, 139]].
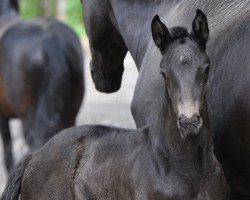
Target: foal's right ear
[[200, 28], [160, 33]]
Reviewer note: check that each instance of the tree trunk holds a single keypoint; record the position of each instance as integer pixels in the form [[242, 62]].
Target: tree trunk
[[60, 9], [45, 8]]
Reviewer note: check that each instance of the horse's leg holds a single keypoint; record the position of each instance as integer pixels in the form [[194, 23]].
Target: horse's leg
[[36, 128], [30, 138], [108, 49], [5, 132], [147, 97]]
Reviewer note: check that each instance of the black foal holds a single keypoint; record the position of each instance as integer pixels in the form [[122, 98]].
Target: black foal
[[171, 159]]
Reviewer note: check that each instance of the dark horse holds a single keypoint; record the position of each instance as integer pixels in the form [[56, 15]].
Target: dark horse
[[170, 159], [41, 77], [116, 26]]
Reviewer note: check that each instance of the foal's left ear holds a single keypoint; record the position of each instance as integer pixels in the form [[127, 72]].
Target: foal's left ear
[[160, 33], [200, 28]]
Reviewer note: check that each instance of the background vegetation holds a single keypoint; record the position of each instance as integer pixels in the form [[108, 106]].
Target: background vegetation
[[68, 11]]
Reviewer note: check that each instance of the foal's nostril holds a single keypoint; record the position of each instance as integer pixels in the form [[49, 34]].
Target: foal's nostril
[[194, 122], [198, 117], [195, 118], [182, 119]]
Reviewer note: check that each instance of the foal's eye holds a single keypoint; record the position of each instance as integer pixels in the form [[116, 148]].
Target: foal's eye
[[163, 75]]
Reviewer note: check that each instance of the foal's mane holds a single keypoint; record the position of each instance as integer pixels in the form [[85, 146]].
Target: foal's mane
[[179, 33]]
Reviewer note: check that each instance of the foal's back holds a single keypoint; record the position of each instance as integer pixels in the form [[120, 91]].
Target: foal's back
[[92, 162], [62, 168]]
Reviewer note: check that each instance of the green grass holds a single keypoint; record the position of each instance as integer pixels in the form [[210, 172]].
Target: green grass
[[73, 18]]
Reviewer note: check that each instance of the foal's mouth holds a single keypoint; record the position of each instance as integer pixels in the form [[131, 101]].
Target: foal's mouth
[[190, 130], [189, 134]]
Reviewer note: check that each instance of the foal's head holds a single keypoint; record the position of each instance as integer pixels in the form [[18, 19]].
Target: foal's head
[[184, 67]]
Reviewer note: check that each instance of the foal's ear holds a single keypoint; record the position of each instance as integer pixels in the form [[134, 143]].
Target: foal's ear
[[200, 28], [160, 33]]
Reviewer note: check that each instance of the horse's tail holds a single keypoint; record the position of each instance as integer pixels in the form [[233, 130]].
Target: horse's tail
[[61, 90], [13, 187], [64, 60]]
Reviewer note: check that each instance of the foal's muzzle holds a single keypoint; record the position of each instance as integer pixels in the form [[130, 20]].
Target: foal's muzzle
[[189, 126]]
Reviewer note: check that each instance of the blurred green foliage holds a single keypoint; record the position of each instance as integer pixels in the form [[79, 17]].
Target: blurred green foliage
[[29, 8], [74, 16], [73, 12]]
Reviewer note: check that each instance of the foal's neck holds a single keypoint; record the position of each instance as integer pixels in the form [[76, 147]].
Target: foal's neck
[[191, 153]]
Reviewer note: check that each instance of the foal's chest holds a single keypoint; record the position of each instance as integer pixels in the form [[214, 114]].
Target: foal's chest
[[189, 189]]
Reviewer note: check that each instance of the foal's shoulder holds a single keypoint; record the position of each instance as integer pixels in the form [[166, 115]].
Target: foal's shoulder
[[69, 141]]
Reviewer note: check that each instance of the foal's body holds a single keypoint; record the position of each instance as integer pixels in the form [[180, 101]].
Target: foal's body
[[94, 162], [228, 85], [170, 159]]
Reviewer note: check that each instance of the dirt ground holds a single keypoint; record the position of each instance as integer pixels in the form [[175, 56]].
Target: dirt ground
[[97, 108]]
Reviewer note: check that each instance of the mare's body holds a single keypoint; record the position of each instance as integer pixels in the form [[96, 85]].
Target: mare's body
[[229, 82], [41, 77]]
